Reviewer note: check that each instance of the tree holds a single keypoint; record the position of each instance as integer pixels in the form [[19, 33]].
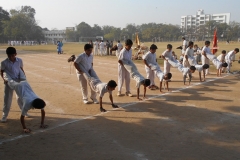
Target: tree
[[27, 10], [84, 30], [71, 35], [4, 16], [22, 25], [97, 30], [114, 34]]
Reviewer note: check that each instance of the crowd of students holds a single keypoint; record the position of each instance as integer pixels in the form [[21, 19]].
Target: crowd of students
[[14, 78]]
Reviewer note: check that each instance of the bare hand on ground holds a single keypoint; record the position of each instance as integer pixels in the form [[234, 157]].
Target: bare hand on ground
[[43, 126], [26, 130]]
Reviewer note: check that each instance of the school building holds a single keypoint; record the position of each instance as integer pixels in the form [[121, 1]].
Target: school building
[[57, 35], [193, 21]]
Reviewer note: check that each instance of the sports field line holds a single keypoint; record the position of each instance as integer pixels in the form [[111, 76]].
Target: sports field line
[[102, 113]]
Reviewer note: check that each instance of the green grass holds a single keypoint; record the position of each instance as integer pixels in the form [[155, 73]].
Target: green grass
[[77, 48]]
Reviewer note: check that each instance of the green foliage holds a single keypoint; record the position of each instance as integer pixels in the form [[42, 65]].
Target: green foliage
[[4, 16], [22, 25], [84, 30]]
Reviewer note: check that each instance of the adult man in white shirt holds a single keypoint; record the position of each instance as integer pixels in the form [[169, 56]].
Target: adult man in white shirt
[[102, 48], [85, 61], [96, 46], [150, 58], [120, 47], [167, 55], [230, 57], [123, 75], [205, 59]]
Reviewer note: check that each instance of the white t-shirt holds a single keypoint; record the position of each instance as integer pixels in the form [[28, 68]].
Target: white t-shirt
[[125, 54], [185, 44], [167, 54], [150, 58], [206, 50], [221, 57], [26, 95], [160, 75], [120, 46], [230, 56], [184, 70], [189, 52], [101, 89], [139, 81], [102, 45], [84, 62], [217, 63], [96, 44], [12, 69], [199, 68]]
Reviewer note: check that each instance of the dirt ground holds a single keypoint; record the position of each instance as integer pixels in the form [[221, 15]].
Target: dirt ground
[[200, 121]]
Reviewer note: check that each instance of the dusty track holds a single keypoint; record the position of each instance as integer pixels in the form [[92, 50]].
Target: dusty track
[[199, 122]]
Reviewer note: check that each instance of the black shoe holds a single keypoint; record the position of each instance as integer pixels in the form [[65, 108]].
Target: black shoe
[[103, 110], [114, 106]]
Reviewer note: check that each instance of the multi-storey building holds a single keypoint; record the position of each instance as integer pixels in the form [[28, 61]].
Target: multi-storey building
[[193, 21], [57, 35]]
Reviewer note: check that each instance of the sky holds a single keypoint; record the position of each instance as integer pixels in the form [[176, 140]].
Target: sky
[[59, 14]]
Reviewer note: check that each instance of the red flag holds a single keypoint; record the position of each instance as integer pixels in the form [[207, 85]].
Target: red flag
[[214, 49]]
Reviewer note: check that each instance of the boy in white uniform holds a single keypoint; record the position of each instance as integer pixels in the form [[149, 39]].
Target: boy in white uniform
[[230, 57], [186, 71], [126, 64], [102, 48], [96, 45], [85, 60], [101, 88], [11, 66], [152, 65], [119, 48], [184, 46], [221, 58], [189, 59], [167, 55], [150, 58], [200, 69], [206, 50], [123, 75], [197, 53], [140, 80], [160, 75], [28, 100], [218, 64]]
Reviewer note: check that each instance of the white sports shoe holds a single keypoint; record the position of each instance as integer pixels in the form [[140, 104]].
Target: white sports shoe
[[4, 119], [28, 115], [119, 93], [129, 94], [86, 102], [95, 101]]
